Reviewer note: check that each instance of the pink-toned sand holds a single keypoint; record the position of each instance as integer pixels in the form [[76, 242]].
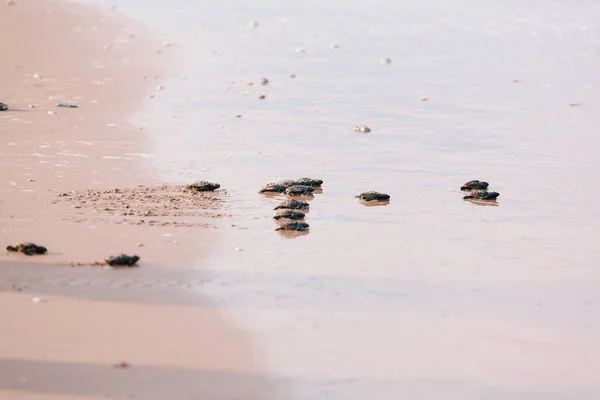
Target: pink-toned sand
[[89, 318], [107, 65]]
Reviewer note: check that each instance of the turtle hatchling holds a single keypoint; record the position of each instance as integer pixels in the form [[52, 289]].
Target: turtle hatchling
[[482, 195], [299, 190], [287, 183], [309, 182], [292, 204], [293, 226], [475, 185], [203, 186], [373, 196], [122, 260], [289, 214], [362, 129], [273, 188], [28, 249]]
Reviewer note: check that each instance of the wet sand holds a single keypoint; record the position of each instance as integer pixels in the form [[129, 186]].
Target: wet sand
[[66, 327], [106, 64]]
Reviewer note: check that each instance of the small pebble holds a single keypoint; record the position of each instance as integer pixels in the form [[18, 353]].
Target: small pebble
[[253, 24], [238, 249], [424, 98], [262, 97], [175, 241], [362, 129], [140, 245], [264, 81], [386, 61], [292, 76], [36, 300], [300, 50]]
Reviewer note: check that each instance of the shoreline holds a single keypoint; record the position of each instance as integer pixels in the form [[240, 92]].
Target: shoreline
[[63, 320]]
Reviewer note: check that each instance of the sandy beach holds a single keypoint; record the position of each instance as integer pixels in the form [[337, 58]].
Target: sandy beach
[[90, 318], [427, 296]]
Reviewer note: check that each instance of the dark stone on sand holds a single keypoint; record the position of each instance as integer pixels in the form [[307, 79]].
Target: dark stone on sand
[[28, 249], [475, 185], [292, 205], [122, 260], [203, 186], [299, 190], [3, 107], [289, 214], [482, 195], [373, 196], [293, 226]]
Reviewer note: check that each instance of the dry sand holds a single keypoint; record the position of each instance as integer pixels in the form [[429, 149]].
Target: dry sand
[[64, 328]]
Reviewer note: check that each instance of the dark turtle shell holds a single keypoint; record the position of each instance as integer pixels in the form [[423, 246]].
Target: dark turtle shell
[[28, 249], [122, 260], [482, 195], [3, 107], [475, 185], [273, 188], [292, 204], [299, 190], [373, 196], [287, 183], [309, 182], [289, 214], [293, 226], [203, 186]]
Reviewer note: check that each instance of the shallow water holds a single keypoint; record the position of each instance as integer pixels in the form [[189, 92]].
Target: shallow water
[[429, 296]]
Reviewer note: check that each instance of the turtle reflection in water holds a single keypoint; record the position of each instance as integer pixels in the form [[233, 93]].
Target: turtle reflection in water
[[122, 260], [475, 185], [299, 190], [482, 195], [373, 196], [27, 248], [293, 226], [203, 186], [289, 214], [292, 204]]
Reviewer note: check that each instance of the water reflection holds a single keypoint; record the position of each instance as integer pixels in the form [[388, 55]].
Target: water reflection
[[483, 203], [292, 234], [382, 203]]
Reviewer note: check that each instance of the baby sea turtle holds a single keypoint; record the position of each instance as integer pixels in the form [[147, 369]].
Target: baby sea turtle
[[299, 190], [482, 195], [273, 187], [292, 205], [475, 185], [203, 186], [293, 226], [309, 182], [289, 214], [122, 260], [3, 107], [362, 129], [28, 249], [373, 196], [287, 183]]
